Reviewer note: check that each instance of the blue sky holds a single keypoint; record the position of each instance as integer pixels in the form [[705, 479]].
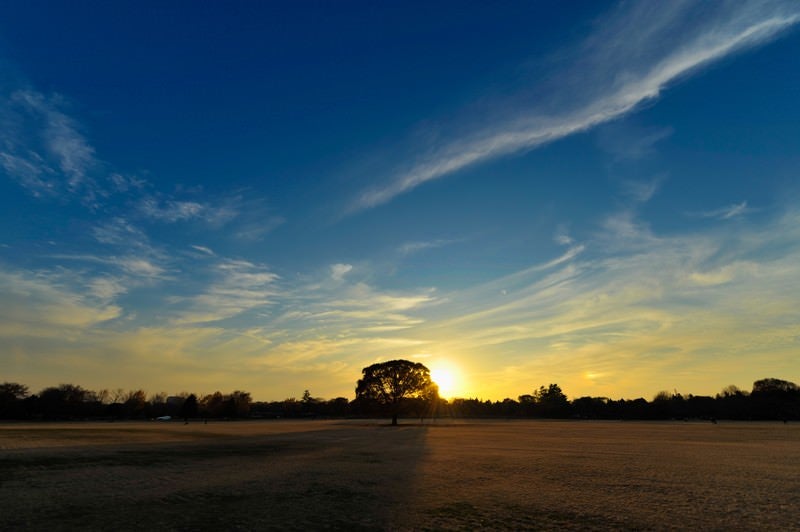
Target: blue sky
[[271, 196]]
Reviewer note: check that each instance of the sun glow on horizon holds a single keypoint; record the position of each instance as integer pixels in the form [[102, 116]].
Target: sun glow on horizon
[[448, 378]]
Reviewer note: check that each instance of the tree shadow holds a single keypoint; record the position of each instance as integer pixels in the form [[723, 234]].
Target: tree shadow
[[350, 476]]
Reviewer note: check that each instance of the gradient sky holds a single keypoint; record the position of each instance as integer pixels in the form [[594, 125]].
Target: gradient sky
[[269, 196]]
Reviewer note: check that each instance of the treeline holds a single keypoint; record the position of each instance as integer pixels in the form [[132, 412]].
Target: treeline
[[769, 399], [72, 402]]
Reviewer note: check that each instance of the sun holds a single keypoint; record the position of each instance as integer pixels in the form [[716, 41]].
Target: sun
[[447, 378]]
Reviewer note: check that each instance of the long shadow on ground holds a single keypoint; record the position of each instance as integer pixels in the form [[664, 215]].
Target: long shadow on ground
[[353, 477]]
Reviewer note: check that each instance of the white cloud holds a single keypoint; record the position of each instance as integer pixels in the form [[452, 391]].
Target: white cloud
[[628, 143], [338, 271], [641, 305], [411, 248], [726, 213], [562, 236], [244, 215], [642, 191], [570, 254], [631, 58], [106, 288], [203, 249], [32, 173], [119, 232], [43, 149], [42, 303], [239, 286], [138, 267], [171, 211], [134, 269], [122, 183], [255, 228]]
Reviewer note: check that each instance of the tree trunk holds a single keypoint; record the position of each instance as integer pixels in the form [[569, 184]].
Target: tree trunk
[[394, 419]]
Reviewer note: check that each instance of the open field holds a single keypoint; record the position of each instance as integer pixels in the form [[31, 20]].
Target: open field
[[359, 475]]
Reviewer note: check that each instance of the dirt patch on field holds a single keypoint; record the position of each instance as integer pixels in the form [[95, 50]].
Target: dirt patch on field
[[356, 475]]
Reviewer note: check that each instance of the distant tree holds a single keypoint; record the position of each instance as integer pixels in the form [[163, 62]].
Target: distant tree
[[12, 395], [731, 391], [337, 407], [391, 385], [157, 404], [135, 403], [776, 399], [668, 405], [189, 408], [63, 401], [100, 397], [734, 403], [239, 404], [551, 401], [527, 404], [212, 405], [774, 386], [309, 403], [590, 407], [117, 396], [13, 390], [158, 398]]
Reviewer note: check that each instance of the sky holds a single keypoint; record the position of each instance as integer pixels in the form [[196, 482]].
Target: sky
[[270, 196]]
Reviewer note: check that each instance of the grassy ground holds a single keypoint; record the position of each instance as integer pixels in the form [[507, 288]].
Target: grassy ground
[[354, 475]]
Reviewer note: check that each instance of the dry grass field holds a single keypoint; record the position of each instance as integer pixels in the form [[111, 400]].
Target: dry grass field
[[355, 475]]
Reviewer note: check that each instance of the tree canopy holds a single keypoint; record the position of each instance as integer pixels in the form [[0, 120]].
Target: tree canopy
[[394, 384]]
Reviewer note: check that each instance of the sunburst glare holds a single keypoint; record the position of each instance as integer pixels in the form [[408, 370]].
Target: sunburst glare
[[447, 377]]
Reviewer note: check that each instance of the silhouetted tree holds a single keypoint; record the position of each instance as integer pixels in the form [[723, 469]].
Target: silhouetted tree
[[733, 403], [239, 404], [338, 407], [212, 405], [189, 408], [12, 395], [64, 401], [391, 384], [157, 404], [135, 404], [527, 404], [590, 407], [551, 401], [309, 404], [775, 399], [667, 405]]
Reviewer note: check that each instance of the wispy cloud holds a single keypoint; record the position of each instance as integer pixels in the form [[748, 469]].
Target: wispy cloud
[[171, 211], [203, 249], [645, 305], [410, 248], [562, 236], [726, 213], [626, 306], [45, 302], [626, 143], [42, 148], [630, 59], [340, 305], [119, 231], [135, 266], [338, 271], [641, 191], [238, 286]]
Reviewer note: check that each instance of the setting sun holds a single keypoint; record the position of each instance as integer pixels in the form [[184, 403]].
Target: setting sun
[[447, 377]]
